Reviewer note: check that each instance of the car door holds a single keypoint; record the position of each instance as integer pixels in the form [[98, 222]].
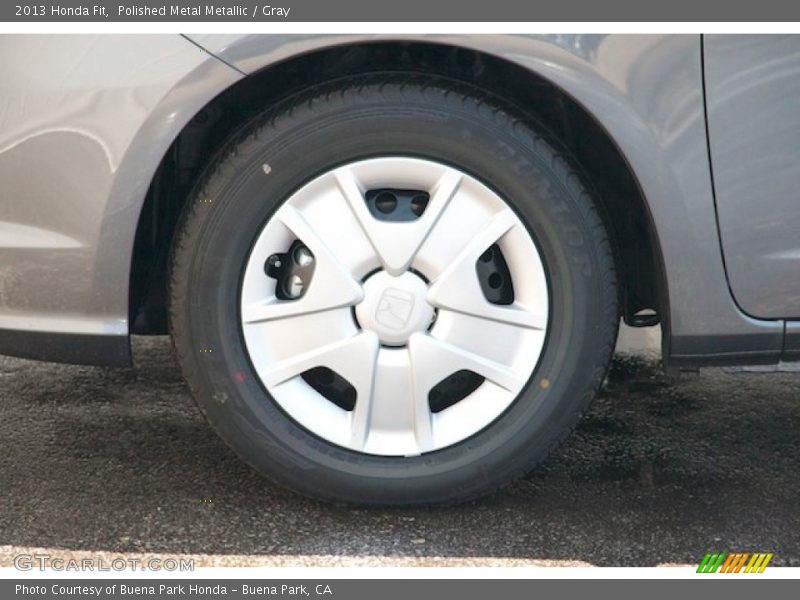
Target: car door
[[753, 108]]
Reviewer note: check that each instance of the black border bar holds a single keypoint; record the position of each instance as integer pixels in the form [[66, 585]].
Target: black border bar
[[441, 11]]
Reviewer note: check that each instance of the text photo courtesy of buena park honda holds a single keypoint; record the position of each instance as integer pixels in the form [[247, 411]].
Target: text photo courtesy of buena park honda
[[412, 299]]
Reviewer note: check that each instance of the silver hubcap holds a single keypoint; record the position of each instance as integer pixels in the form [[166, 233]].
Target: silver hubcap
[[384, 319]]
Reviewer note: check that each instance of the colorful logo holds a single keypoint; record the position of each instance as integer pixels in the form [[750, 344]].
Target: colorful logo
[[744, 562]]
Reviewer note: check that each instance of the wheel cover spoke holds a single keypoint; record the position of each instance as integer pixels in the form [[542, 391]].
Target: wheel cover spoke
[[434, 359], [354, 358], [332, 287], [393, 415], [397, 243], [457, 288]]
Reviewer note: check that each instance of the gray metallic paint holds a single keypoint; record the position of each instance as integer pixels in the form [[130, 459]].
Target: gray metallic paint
[[86, 120], [752, 88]]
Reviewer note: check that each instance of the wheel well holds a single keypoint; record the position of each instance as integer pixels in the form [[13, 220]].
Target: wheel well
[[637, 255]]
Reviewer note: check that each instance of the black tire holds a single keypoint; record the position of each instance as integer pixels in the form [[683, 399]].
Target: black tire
[[326, 126]]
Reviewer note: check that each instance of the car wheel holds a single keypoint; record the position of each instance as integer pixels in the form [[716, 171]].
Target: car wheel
[[392, 290]]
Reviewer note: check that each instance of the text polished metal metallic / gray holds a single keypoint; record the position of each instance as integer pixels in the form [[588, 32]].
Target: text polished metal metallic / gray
[[395, 307]]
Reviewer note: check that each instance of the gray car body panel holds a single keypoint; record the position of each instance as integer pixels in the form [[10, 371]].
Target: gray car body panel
[[85, 121], [752, 87], [89, 134]]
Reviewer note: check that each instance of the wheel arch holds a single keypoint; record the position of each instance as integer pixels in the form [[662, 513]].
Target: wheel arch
[[531, 88]]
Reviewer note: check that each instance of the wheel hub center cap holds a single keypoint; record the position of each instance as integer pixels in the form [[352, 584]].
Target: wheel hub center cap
[[394, 307]]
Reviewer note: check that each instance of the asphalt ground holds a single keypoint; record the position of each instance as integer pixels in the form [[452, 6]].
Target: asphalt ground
[[101, 462]]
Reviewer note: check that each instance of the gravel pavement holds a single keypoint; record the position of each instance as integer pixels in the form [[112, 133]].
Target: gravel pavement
[[97, 461]]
